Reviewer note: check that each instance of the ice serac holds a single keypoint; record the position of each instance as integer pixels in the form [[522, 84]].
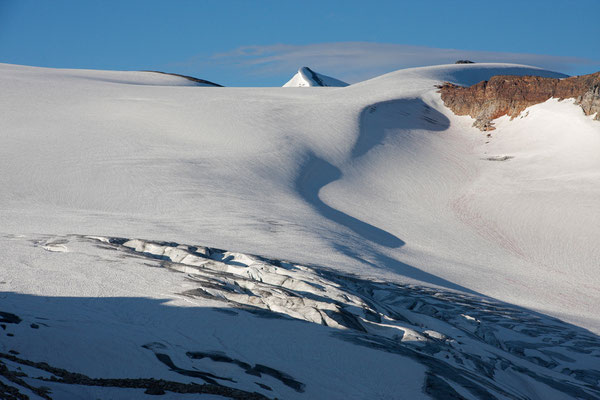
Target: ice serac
[[306, 77], [510, 95]]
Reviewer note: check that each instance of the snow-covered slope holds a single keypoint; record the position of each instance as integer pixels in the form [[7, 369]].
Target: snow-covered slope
[[403, 252], [306, 77], [198, 82]]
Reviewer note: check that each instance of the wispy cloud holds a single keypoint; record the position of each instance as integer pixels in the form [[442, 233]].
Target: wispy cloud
[[356, 61]]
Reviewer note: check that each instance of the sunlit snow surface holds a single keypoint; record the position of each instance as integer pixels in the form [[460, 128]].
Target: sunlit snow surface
[[403, 254]]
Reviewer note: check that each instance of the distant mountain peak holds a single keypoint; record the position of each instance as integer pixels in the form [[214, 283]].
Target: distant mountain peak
[[306, 77]]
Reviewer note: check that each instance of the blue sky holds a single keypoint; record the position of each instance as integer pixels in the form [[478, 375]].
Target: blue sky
[[262, 43]]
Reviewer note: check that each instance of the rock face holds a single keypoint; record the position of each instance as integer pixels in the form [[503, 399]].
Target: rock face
[[510, 95]]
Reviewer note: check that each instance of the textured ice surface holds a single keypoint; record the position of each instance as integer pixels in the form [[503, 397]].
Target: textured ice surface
[[444, 341]]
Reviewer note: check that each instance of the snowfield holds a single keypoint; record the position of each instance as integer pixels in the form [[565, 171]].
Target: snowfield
[[374, 245]]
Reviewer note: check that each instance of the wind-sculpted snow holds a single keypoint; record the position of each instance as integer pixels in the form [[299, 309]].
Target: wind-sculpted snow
[[378, 120], [375, 123], [317, 173]]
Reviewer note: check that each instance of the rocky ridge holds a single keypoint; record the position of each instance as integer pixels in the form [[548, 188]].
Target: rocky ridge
[[510, 95]]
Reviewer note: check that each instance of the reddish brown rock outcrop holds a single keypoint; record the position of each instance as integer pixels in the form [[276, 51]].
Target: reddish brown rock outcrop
[[510, 95]]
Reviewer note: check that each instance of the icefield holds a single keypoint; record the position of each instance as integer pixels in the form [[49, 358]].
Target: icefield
[[164, 236]]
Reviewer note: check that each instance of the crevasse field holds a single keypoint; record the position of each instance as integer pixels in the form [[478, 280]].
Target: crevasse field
[[356, 242]]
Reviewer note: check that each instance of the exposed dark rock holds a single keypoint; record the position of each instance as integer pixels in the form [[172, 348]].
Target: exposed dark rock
[[510, 95], [257, 370], [315, 77], [152, 386], [464, 62], [9, 318], [155, 390], [264, 386], [13, 392]]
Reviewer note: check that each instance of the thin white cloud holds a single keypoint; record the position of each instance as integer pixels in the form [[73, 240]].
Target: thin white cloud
[[356, 61]]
